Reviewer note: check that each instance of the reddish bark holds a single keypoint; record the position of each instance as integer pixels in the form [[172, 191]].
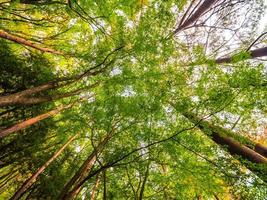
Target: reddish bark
[[31, 121], [81, 174], [23, 41], [93, 193], [33, 178], [234, 146]]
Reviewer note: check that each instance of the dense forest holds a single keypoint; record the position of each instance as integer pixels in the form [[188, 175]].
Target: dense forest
[[133, 99]]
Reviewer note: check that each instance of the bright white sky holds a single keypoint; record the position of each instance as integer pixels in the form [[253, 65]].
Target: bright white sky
[[263, 21]]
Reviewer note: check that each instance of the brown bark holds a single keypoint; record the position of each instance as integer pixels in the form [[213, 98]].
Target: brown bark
[[31, 121], [260, 52], [23, 41], [27, 100], [33, 178], [233, 146], [84, 170], [261, 149], [14, 99], [23, 97], [196, 15], [93, 194]]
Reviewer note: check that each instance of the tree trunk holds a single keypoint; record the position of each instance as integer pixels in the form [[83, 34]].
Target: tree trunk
[[33, 178], [260, 52], [28, 43], [31, 121], [196, 15], [234, 146], [144, 182], [259, 162], [26, 100], [93, 193], [105, 185], [84, 170]]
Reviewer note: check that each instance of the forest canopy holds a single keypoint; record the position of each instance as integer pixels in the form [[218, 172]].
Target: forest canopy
[[133, 99]]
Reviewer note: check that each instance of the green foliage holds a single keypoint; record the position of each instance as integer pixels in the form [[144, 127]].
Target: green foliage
[[145, 81]]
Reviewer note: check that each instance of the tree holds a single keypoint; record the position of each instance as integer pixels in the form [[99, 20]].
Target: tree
[[109, 71]]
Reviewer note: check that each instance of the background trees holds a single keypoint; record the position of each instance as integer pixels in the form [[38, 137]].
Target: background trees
[[124, 75]]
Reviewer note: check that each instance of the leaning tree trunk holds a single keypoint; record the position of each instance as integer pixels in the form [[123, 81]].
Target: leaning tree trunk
[[94, 190], [33, 178], [220, 136], [70, 191], [196, 15], [23, 41], [21, 99], [260, 52], [31, 121]]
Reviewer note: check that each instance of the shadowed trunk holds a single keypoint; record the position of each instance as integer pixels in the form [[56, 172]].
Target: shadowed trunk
[[23, 41], [19, 99], [258, 163], [31, 121], [196, 15], [260, 52], [94, 190], [144, 182], [33, 178], [84, 170]]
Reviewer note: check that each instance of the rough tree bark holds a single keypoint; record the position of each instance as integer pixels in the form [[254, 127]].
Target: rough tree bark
[[23, 41], [33, 178]]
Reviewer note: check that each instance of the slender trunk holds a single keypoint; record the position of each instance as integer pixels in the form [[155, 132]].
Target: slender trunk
[[222, 139], [105, 185], [260, 52], [144, 182], [23, 41], [33, 178], [93, 193], [196, 15], [84, 170], [31, 121]]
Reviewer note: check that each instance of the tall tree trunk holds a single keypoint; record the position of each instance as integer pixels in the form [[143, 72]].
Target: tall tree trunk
[[260, 52], [23, 97], [105, 185], [142, 190], [196, 15], [70, 191], [27, 100], [33, 178], [94, 190], [23, 41], [31, 121], [219, 136]]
